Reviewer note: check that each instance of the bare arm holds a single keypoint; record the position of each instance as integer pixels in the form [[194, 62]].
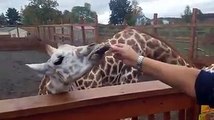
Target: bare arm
[[180, 77]]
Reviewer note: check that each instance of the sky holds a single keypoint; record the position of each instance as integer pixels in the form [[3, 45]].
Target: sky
[[164, 8]]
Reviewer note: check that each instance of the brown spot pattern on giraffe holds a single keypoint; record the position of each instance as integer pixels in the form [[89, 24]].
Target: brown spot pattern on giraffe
[[91, 76], [163, 58], [130, 42], [158, 52], [110, 60], [121, 41], [127, 34], [113, 41], [137, 36], [116, 36], [114, 71], [152, 44]]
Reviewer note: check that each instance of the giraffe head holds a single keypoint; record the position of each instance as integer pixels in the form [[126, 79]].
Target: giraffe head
[[69, 63]]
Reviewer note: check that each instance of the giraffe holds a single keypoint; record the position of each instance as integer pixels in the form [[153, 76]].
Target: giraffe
[[111, 71]]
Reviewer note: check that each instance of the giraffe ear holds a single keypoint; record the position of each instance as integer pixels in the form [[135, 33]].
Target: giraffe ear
[[41, 68]]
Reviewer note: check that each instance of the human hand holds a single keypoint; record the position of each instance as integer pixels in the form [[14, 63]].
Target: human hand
[[125, 53]]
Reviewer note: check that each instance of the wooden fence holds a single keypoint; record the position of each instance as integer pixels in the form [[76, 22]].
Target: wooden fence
[[192, 41], [188, 41], [107, 103], [65, 33]]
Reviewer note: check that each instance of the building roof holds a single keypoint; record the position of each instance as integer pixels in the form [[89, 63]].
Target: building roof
[[7, 29]]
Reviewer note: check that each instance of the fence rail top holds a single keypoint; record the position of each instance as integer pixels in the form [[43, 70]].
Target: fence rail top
[[13, 108], [68, 25]]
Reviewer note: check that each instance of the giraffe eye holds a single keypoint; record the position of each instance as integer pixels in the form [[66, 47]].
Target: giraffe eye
[[59, 60]]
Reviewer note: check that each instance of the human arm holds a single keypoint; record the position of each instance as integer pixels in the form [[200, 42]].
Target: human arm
[[180, 77]]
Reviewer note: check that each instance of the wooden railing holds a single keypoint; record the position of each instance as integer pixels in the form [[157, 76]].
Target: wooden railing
[[107, 103]]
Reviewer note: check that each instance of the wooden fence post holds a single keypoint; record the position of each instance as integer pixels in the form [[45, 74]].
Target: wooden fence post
[[49, 33], [83, 31], [72, 34], [17, 28], [155, 22], [54, 33], [193, 35], [38, 32], [44, 33], [62, 35], [96, 30]]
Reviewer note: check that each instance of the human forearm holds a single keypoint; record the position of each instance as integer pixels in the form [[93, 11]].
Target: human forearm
[[177, 76], [180, 77]]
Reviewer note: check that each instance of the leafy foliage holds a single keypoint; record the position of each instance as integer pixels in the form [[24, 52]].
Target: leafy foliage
[[187, 14], [3, 20], [13, 16], [121, 11], [82, 11], [136, 14], [41, 12]]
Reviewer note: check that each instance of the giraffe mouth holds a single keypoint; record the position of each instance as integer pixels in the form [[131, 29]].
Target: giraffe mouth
[[99, 50]]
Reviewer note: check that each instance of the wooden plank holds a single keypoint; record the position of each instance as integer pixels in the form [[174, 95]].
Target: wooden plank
[[151, 117], [193, 35], [155, 22], [132, 97], [166, 115], [116, 110], [181, 114]]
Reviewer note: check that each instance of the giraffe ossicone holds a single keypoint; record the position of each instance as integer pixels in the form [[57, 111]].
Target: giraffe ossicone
[[69, 63]]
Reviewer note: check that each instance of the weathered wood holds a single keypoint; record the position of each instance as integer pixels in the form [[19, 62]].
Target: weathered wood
[[151, 117], [166, 115], [72, 34], [113, 102], [155, 22], [193, 35], [181, 114]]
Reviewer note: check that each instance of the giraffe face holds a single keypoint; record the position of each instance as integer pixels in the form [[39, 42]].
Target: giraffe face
[[69, 63]]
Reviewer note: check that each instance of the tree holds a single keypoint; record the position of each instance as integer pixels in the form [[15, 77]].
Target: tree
[[3, 20], [135, 14], [12, 16], [121, 11], [41, 12], [66, 16], [187, 14], [82, 11]]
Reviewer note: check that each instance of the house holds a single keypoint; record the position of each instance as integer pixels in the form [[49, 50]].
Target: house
[[13, 32]]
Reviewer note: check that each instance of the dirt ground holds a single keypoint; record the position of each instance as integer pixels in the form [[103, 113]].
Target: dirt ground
[[16, 79]]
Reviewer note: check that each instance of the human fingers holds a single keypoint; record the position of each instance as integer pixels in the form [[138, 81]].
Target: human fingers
[[120, 45], [115, 48]]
